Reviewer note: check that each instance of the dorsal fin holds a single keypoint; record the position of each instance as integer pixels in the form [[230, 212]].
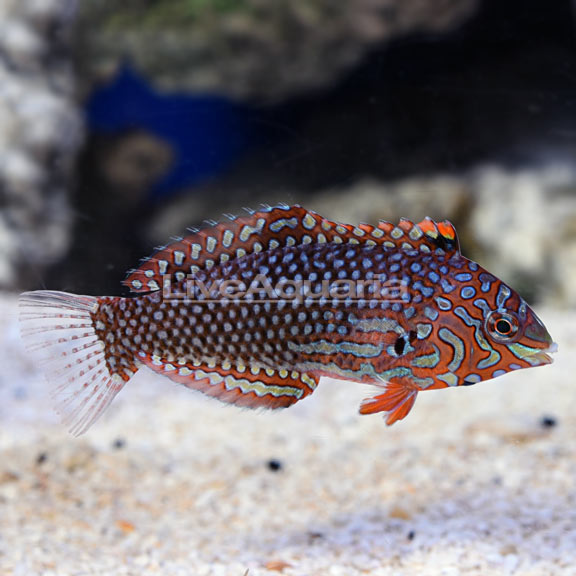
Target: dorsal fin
[[276, 227], [441, 234]]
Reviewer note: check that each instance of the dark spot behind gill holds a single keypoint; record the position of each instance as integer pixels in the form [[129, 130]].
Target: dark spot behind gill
[[399, 345]]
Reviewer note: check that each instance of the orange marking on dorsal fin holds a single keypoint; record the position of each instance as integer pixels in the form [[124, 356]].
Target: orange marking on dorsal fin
[[368, 228], [247, 386], [387, 227], [443, 234], [447, 230], [426, 236], [405, 224], [396, 401], [428, 226]]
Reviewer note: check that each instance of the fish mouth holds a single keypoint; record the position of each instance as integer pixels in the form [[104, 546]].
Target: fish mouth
[[543, 357]]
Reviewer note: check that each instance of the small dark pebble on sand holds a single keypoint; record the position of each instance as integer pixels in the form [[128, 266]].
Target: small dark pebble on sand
[[119, 443], [411, 535], [548, 422], [274, 465], [41, 458]]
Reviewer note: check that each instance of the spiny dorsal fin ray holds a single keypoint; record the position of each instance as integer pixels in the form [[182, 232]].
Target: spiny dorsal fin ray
[[238, 384], [278, 227]]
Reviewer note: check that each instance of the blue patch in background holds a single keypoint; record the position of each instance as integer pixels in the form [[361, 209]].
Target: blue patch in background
[[206, 133]]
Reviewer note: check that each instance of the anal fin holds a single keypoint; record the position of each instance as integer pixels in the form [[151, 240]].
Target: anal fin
[[397, 400], [241, 385]]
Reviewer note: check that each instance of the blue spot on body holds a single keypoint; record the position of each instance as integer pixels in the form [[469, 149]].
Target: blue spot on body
[[391, 352], [463, 277], [472, 379], [434, 277], [503, 295], [409, 312], [367, 263], [443, 303], [426, 291], [431, 313], [467, 292], [423, 331], [415, 268], [487, 280], [446, 286]]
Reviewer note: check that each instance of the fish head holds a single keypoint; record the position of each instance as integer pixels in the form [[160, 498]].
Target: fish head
[[519, 335], [494, 332]]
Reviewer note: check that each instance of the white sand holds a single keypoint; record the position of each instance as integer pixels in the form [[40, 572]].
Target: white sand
[[469, 484]]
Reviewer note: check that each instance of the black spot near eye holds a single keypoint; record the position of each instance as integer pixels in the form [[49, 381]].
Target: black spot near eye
[[412, 336], [399, 346]]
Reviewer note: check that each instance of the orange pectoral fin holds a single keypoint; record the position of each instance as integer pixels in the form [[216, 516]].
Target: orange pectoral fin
[[397, 401]]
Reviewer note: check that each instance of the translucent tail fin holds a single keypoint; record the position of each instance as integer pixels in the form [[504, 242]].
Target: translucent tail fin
[[58, 330]]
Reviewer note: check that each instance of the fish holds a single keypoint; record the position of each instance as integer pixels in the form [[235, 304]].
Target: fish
[[256, 309]]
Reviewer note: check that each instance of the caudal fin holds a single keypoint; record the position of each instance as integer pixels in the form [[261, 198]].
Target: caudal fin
[[58, 330]]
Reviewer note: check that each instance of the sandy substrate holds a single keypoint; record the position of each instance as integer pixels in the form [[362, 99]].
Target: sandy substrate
[[474, 482]]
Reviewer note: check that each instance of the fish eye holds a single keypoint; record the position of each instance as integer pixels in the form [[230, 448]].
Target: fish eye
[[503, 326]]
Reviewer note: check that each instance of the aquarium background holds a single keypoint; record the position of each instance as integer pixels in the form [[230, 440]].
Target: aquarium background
[[124, 123]]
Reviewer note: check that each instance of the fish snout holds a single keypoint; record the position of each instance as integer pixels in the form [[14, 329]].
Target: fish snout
[[543, 357]]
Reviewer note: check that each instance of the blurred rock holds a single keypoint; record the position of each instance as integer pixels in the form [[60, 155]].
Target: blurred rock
[[40, 131], [524, 227], [115, 174], [436, 196], [251, 49], [203, 134], [135, 161]]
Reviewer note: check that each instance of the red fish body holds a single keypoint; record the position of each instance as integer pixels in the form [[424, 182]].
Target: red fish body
[[254, 311]]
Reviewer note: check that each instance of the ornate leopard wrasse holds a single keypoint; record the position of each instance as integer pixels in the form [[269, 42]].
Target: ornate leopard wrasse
[[255, 310]]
